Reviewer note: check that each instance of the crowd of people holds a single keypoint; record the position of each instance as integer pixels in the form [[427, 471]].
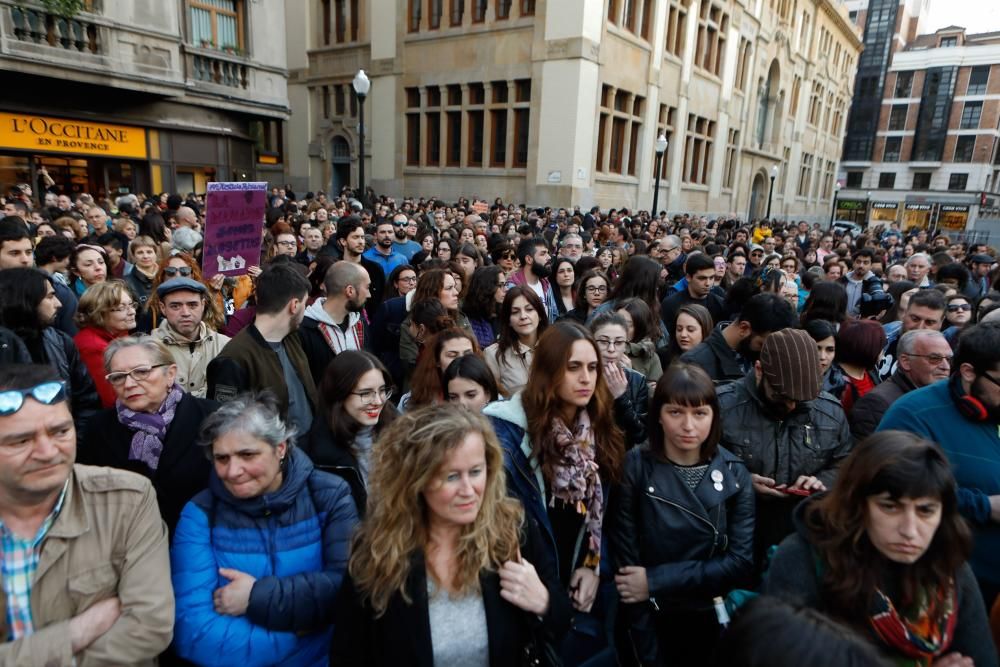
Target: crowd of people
[[438, 433]]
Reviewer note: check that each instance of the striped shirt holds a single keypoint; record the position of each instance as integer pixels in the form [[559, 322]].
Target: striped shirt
[[20, 560]]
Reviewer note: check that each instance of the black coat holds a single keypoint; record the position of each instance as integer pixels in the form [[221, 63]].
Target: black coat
[[61, 353], [336, 458], [870, 408], [402, 636], [632, 409], [716, 358], [694, 545], [184, 468]]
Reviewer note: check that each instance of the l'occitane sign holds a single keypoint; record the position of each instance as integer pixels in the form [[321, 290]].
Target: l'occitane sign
[[58, 135]]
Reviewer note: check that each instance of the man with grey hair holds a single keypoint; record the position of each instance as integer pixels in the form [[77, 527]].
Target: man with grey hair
[[924, 358], [918, 268], [334, 323], [571, 247]]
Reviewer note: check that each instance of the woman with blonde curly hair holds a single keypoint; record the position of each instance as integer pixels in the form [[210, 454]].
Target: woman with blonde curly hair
[[445, 558]]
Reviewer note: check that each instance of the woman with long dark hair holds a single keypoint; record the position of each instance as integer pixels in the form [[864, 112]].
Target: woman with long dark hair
[[426, 384], [682, 527], [564, 283], [482, 303], [885, 552], [522, 322], [354, 409], [562, 450], [591, 291], [469, 382], [827, 301]]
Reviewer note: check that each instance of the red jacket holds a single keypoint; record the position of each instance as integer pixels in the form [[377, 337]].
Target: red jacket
[[92, 342]]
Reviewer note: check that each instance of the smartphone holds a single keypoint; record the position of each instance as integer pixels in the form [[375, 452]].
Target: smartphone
[[796, 492]]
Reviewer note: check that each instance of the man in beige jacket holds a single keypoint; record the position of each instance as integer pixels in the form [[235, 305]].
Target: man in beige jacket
[[84, 567]]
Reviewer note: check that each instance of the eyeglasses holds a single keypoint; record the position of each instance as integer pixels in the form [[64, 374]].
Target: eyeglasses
[[609, 344], [286, 244], [597, 289], [47, 393], [124, 307], [991, 379], [139, 374], [368, 396], [407, 279], [172, 271], [935, 359], [955, 307]]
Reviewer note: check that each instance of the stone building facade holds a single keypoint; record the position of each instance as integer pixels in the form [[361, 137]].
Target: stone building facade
[[142, 96], [560, 101]]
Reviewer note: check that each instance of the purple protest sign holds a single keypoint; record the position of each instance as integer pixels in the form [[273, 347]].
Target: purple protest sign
[[234, 223]]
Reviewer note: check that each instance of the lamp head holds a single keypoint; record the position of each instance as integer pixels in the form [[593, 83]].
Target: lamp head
[[774, 171], [661, 143], [361, 84]]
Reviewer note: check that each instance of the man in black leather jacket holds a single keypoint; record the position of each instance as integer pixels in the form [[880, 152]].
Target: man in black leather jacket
[[791, 436]]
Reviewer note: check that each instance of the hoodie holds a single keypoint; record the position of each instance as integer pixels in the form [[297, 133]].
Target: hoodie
[[353, 338]]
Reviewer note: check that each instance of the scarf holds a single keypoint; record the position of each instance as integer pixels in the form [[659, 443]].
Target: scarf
[[915, 634], [150, 427], [576, 482]]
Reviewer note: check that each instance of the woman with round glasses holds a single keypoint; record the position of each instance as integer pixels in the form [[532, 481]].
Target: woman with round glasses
[[402, 280], [106, 311], [591, 292], [149, 430], [354, 409], [627, 387]]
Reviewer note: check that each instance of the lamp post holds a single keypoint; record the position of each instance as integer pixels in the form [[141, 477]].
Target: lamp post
[[361, 86], [833, 211], [661, 148], [868, 201], [770, 192]]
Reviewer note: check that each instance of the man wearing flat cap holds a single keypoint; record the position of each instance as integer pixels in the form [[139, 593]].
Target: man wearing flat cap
[[185, 330], [791, 436]]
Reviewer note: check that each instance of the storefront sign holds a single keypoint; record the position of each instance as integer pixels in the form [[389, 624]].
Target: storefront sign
[[951, 216], [850, 205], [234, 223], [58, 135]]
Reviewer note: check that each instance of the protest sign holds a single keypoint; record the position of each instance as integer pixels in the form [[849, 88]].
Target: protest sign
[[234, 221]]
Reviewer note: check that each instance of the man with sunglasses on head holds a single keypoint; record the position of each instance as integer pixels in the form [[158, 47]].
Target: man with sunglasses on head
[[192, 342], [84, 561], [962, 415], [791, 436]]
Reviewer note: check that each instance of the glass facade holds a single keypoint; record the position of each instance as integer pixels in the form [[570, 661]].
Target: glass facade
[[932, 118], [870, 80]]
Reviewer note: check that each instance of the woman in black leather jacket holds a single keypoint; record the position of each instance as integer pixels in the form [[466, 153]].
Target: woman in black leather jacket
[[628, 387], [681, 530]]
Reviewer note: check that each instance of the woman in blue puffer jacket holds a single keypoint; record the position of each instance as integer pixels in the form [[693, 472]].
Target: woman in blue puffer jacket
[[258, 557]]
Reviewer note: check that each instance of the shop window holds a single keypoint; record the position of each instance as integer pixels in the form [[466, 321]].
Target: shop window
[[964, 147], [897, 116], [958, 181], [854, 179], [893, 146], [978, 78], [887, 180], [904, 82], [971, 114], [922, 180], [216, 24]]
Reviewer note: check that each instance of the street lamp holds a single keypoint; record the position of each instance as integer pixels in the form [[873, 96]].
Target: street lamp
[[868, 199], [661, 148], [361, 86], [770, 192], [833, 211]]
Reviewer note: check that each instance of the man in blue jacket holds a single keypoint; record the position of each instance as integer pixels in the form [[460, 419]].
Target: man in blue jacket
[[963, 416]]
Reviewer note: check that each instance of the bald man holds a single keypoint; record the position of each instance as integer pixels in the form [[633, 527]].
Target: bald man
[[186, 217], [334, 323]]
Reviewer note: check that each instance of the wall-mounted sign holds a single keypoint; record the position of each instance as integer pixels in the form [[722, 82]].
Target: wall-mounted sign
[[59, 135]]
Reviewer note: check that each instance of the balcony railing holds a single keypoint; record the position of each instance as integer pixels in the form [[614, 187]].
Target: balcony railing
[[219, 71], [40, 27]]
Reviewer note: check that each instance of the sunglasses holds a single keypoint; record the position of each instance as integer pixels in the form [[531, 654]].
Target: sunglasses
[[956, 307], [174, 270], [47, 393]]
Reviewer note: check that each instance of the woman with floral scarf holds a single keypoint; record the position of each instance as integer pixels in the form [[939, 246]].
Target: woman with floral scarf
[[562, 452], [885, 551]]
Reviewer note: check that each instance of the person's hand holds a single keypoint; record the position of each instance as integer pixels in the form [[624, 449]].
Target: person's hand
[[632, 584], [85, 628], [233, 598], [521, 586], [216, 282], [583, 588], [808, 483], [254, 271], [615, 378], [953, 660], [765, 486]]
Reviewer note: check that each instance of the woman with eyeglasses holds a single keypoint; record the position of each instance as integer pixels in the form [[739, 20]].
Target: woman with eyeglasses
[[258, 558], [627, 387], [354, 410], [150, 429], [591, 292], [522, 322], [402, 280], [106, 311]]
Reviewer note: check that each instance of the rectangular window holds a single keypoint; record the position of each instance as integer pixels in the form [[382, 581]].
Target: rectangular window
[[477, 93], [475, 152], [434, 11], [413, 24], [454, 96], [698, 149], [499, 92], [628, 15], [457, 12], [633, 146], [978, 78], [520, 137], [355, 20], [729, 173], [433, 139], [676, 21], [854, 179], [503, 9], [893, 146], [805, 175], [964, 147], [647, 18], [498, 139], [478, 11], [958, 181], [904, 82], [412, 98], [922, 180], [971, 114], [743, 64], [217, 24], [324, 92], [897, 116], [454, 155], [887, 180], [796, 89], [665, 126], [326, 20], [948, 42], [338, 100], [413, 139], [617, 145], [713, 25], [340, 16], [613, 11], [602, 124], [433, 96], [527, 7], [522, 90]]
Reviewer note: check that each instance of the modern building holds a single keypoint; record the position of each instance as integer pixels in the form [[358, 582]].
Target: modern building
[[142, 96], [923, 139], [561, 101]]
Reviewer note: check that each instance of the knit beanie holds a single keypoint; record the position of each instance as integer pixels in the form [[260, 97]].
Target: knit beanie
[[790, 364]]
